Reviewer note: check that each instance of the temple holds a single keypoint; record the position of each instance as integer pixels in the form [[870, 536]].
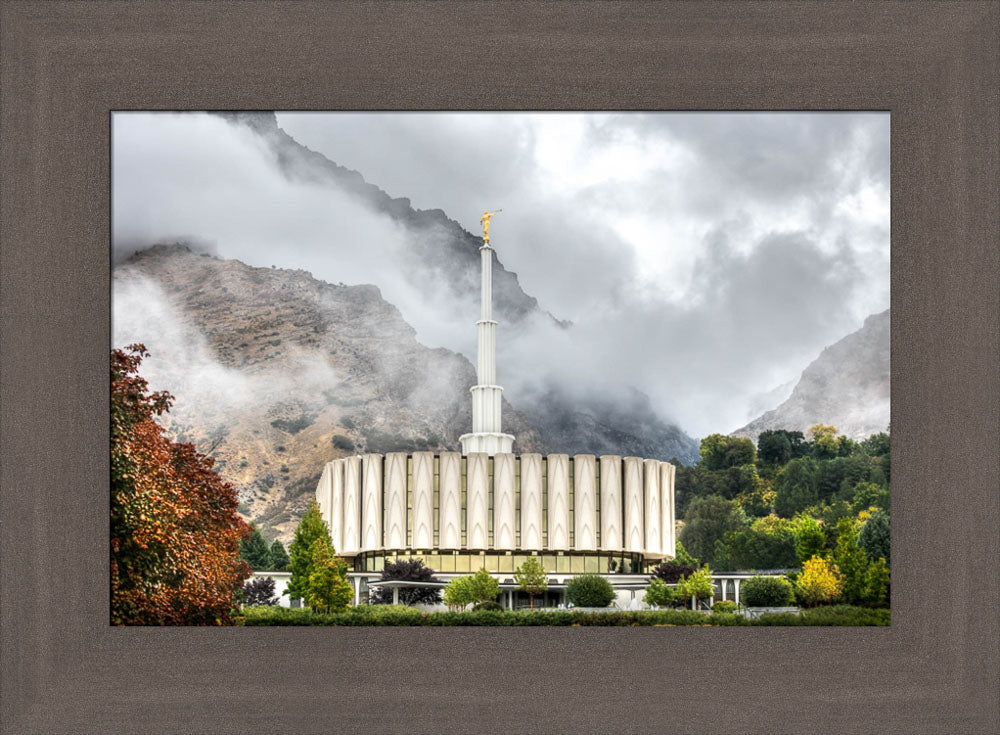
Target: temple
[[487, 507]]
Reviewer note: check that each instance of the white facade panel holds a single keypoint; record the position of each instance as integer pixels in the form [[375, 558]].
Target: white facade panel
[[584, 502], [352, 505], [558, 501], [336, 502], [450, 478], [654, 499], [611, 502], [324, 494], [633, 504], [477, 501], [371, 502], [395, 500], [531, 501], [423, 500], [503, 501], [667, 474]]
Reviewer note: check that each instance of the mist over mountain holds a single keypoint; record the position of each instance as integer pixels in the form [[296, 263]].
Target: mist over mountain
[[275, 373], [846, 386]]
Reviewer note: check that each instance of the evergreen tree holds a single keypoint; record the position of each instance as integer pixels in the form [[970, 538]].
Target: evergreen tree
[[279, 557], [851, 560], [310, 528], [874, 536], [254, 550], [328, 589]]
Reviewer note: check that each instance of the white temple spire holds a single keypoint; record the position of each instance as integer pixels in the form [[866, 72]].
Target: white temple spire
[[486, 433]]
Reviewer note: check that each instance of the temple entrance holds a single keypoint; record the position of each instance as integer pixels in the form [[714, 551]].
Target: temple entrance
[[549, 598]]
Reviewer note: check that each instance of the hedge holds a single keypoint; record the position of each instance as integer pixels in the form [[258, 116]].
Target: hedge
[[400, 615]]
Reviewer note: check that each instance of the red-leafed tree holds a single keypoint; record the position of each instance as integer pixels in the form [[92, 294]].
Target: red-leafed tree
[[175, 531]]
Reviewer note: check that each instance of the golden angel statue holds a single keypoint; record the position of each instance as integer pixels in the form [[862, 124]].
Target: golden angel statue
[[485, 222]]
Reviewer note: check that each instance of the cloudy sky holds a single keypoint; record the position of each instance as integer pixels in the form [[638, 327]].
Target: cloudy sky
[[705, 258]]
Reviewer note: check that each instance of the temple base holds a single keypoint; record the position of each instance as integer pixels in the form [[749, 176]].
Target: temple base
[[486, 442]]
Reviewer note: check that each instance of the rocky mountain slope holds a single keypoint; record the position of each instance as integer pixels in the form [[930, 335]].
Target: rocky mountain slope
[[293, 372], [846, 386], [441, 254], [276, 373]]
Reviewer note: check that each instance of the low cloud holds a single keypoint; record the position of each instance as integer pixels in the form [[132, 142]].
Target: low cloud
[[702, 259]]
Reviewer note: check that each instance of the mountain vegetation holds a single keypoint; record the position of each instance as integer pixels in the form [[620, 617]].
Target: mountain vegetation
[[817, 502]]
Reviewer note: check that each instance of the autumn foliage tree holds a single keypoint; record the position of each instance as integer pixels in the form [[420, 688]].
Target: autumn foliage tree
[[175, 531]]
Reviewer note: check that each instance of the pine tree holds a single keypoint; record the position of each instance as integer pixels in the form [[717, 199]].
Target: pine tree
[[254, 550], [851, 560], [278, 556], [328, 589], [310, 528]]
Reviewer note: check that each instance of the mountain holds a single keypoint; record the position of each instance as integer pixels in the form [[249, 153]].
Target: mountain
[[441, 254], [846, 386], [276, 373]]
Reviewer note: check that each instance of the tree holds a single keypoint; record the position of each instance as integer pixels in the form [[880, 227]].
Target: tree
[[826, 443], [820, 581], [774, 447], [483, 587], [661, 594], [682, 557], [810, 540], [278, 556], [175, 531], [259, 591], [761, 591], [869, 495], [720, 452], [795, 487], [311, 527], [410, 570], [458, 593], [874, 536], [590, 590], [531, 578], [707, 521], [671, 573], [699, 586], [328, 588], [757, 547], [254, 550], [850, 560], [876, 590]]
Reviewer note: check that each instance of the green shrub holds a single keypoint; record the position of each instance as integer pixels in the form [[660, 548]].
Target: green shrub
[[400, 615], [590, 590], [724, 606], [488, 605], [763, 591]]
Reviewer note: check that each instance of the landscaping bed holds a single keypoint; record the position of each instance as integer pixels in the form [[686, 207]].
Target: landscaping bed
[[400, 615]]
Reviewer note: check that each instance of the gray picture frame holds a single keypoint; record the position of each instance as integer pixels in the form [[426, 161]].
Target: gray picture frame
[[65, 65]]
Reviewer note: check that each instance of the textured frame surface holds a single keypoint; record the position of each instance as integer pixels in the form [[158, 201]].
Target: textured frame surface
[[64, 66]]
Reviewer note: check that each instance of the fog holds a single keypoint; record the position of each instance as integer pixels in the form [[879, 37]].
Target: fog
[[702, 258]]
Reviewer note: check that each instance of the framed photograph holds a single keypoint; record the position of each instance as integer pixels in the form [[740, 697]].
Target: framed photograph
[[148, 179]]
